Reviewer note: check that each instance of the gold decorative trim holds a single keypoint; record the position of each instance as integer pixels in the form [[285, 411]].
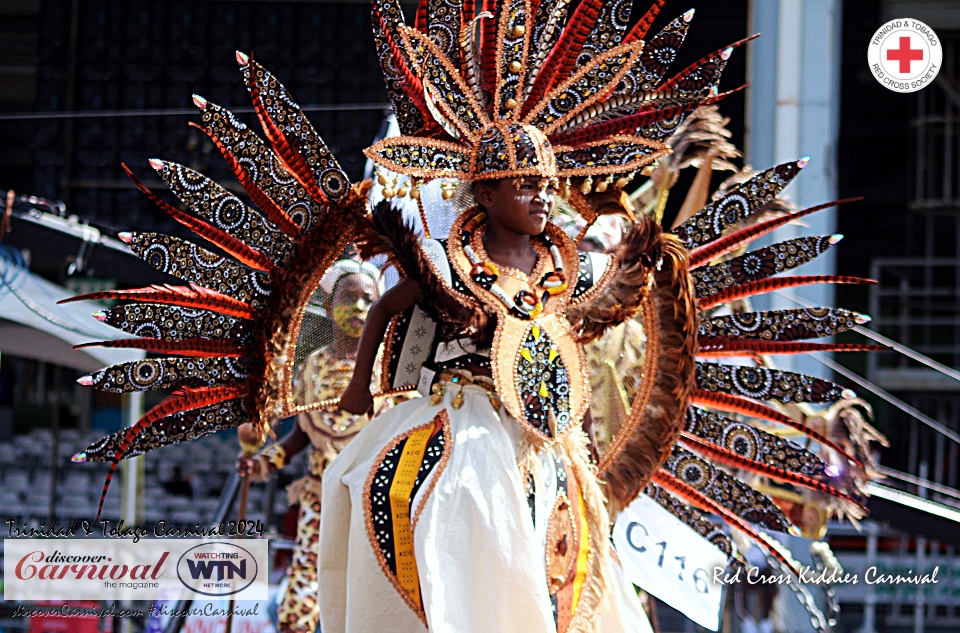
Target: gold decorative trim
[[406, 34], [408, 142], [632, 50]]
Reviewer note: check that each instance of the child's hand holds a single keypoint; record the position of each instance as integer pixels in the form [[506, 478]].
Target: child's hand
[[248, 466], [356, 399]]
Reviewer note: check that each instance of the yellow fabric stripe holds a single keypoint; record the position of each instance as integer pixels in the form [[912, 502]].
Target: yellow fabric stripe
[[409, 465], [584, 554]]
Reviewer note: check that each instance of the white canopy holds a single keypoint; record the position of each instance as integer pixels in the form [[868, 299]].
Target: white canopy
[[32, 325]]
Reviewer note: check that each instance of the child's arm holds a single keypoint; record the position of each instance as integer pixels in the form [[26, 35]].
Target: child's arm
[[356, 397]]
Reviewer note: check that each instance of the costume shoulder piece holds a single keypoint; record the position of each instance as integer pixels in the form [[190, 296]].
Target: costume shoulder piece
[[230, 339]]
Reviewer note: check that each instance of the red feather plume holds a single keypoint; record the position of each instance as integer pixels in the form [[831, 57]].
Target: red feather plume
[[288, 154], [260, 198], [183, 399], [713, 347], [200, 347], [420, 18], [694, 67], [639, 30], [192, 296], [769, 285], [630, 123], [231, 245], [559, 62]]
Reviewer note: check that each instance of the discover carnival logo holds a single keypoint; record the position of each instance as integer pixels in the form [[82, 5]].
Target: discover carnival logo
[[905, 55], [217, 569]]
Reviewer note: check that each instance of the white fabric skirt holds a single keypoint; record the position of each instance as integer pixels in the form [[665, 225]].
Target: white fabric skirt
[[478, 540]]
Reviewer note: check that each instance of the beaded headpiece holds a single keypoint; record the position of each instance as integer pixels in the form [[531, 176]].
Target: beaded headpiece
[[513, 91]]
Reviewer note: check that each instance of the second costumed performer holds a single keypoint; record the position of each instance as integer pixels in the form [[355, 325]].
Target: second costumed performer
[[347, 290]]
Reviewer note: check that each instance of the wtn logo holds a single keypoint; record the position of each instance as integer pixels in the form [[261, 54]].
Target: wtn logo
[[217, 569], [225, 569]]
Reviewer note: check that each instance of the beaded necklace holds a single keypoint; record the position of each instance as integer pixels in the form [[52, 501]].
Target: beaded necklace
[[526, 304]]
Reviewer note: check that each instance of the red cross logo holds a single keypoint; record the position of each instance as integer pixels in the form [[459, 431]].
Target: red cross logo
[[905, 54]]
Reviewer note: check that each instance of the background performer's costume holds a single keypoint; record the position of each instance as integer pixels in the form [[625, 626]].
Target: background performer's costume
[[474, 508]]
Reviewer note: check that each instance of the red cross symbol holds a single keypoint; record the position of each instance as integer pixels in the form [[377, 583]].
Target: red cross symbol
[[905, 54]]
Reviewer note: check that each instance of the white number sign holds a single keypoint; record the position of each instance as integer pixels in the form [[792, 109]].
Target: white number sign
[[666, 558]]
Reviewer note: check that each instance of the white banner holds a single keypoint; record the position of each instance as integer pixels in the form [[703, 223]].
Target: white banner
[[120, 569], [666, 558]]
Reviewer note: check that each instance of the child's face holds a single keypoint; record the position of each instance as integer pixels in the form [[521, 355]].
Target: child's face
[[522, 205], [352, 298]]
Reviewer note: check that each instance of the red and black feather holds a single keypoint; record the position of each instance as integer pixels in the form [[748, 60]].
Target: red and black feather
[[192, 296], [762, 286]]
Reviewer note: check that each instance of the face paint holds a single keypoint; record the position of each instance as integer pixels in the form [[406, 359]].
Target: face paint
[[351, 317]]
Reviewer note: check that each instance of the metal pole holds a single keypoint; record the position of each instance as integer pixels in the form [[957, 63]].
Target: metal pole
[[920, 602], [130, 481], [227, 496], [870, 600], [55, 451]]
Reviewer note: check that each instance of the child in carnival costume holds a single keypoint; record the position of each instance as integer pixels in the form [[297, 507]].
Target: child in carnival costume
[[346, 292], [476, 508]]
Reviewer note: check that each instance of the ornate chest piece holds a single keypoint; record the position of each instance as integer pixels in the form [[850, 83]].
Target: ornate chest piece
[[538, 367]]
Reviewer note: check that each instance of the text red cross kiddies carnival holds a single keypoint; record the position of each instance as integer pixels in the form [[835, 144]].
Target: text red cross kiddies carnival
[[905, 54]]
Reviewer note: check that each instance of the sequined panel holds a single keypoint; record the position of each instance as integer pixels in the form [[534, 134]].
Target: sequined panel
[[694, 518], [444, 24], [186, 260], [660, 52], [751, 443], [741, 202], [165, 373], [511, 149], [781, 325], [616, 156], [175, 323], [729, 492], [221, 208], [453, 96], [286, 113], [587, 86], [701, 79], [760, 383], [543, 383], [608, 31], [180, 427], [514, 34], [758, 264], [425, 158], [660, 123], [387, 16]]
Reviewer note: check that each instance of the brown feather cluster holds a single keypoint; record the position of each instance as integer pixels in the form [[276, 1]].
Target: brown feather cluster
[[291, 290], [673, 337], [704, 133], [385, 232], [636, 258]]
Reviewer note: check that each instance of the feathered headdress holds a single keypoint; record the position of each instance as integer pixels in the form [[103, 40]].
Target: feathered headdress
[[516, 90]]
